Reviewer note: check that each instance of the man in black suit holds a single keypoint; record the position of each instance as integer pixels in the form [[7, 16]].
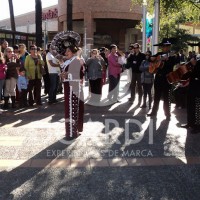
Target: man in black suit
[[134, 61], [162, 88]]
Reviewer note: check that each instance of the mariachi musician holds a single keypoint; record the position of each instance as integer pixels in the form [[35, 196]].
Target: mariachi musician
[[193, 98], [164, 64], [64, 47]]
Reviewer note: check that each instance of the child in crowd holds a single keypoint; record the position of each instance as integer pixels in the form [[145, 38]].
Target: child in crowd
[[22, 84], [147, 79]]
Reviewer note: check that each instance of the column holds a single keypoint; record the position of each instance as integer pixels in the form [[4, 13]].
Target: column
[[89, 28]]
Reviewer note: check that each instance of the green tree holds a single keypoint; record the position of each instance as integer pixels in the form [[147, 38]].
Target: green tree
[[173, 13]]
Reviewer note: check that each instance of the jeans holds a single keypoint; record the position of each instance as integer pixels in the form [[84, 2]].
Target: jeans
[[53, 86]]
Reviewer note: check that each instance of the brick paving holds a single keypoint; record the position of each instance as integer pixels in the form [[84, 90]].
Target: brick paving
[[162, 162]]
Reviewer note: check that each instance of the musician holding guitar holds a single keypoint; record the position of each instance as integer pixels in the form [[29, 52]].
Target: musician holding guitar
[[164, 64]]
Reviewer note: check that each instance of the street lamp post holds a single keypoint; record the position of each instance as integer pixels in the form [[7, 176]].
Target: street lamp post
[[144, 25], [156, 25], [45, 34]]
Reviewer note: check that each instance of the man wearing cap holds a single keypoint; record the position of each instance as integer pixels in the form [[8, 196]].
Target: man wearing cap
[[134, 61], [161, 85]]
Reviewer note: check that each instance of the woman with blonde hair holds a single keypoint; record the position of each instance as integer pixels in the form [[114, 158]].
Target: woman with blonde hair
[[33, 65]]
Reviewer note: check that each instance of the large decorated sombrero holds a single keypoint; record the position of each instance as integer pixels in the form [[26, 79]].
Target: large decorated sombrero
[[62, 40]]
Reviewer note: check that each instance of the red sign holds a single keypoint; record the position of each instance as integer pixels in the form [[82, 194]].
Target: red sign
[[50, 14]]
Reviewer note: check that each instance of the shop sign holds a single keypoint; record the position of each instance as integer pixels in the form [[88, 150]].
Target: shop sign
[[50, 14]]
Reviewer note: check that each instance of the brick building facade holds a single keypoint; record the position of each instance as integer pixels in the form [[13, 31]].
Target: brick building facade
[[99, 22], [103, 22]]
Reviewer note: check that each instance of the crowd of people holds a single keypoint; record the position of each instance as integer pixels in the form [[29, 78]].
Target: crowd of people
[[22, 73]]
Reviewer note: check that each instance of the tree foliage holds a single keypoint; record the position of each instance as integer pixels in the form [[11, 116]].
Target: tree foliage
[[172, 13]]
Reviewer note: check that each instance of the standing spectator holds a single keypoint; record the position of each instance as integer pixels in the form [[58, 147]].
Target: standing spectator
[[22, 53], [46, 74], [134, 61], [54, 71], [194, 54], [182, 56], [114, 71], [190, 56], [33, 65], [103, 51], [146, 80], [2, 74], [4, 45], [13, 64], [16, 49], [22, 84], [95, 65]]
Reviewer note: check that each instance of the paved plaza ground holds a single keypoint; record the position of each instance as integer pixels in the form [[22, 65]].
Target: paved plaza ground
[[121, 154]]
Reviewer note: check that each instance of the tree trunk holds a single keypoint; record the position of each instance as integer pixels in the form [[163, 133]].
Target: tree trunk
[[69, 15], [38, 22], [12, 17]]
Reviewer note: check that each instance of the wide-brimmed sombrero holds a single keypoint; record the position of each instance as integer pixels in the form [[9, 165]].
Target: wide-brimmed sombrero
[[62, 40]]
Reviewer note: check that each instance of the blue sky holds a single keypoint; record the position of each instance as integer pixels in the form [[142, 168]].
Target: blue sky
[[21, 6]]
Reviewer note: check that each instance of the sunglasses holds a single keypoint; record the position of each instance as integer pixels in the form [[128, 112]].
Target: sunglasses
[[136, 47]]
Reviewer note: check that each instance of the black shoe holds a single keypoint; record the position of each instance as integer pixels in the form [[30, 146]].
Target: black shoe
[[151, 114], [185, 126]]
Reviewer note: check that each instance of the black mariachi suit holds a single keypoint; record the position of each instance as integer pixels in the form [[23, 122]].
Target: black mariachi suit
[[193, 100], [161, 86]]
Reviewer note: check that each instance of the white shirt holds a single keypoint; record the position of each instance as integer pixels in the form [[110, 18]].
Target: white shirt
[[52, 70]]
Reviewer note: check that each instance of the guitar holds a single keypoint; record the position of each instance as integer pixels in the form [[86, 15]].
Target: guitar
[[158, 63]]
